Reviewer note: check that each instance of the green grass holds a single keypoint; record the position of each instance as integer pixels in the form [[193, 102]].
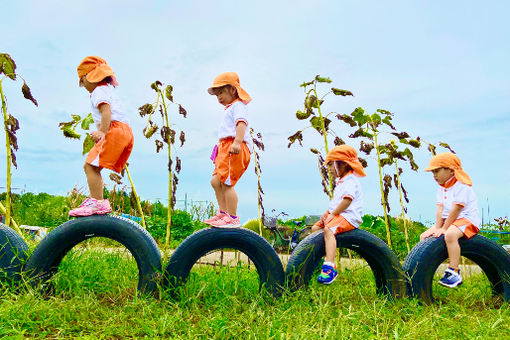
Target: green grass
[[96, 297]]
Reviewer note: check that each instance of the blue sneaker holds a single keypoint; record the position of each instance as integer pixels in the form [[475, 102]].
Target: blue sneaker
[[328, 274], [451, 279]]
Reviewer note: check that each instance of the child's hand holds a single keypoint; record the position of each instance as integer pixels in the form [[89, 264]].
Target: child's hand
[[439, 232], [329, 218], [429, 232], [97, 135], [235, 148]]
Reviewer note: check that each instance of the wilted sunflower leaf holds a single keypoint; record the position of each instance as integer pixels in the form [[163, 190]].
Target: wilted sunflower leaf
[[339, 92], [338, 141], [400, 135], [298, 136], [444, 145], [168, 93], [27, 94], [316, 124], [177, 164], [116, 178], [415, 143], [363, 162], [315, 151], [182, 111], [13, 159], [346, 119], [146, 109], [7, 66], [155, 86], [159, 145], [88, 143], [182, 138], [149, 130], [305, 84]]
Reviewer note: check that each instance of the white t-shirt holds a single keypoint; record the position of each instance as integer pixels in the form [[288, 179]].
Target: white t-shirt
[[105, 94], [234, 113], [462, 194], [349, 186]]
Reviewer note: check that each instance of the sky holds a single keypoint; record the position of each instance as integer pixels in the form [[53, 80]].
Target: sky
[[441, 67]]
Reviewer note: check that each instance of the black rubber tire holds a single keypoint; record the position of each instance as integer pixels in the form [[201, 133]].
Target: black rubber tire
[[424, 259], [13, 255], [46, 258], [258, 250], [387, 270]]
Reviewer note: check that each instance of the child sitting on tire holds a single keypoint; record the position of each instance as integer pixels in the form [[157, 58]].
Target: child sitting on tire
[[457, 211], [231, 156], [345, 208], [113, 137]]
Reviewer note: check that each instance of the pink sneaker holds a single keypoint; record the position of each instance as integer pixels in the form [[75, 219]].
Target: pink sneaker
[[226, 222], [91, 206], [214, 218]]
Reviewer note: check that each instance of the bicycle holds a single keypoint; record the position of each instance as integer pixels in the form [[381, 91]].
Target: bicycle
[[289, 242]]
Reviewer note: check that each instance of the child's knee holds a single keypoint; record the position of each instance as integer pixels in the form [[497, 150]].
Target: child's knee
[[452, 235]]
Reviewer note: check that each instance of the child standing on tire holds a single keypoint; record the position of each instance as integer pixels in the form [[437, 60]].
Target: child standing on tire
[[345, 208], [232, 154], [113, 137], [457, 211]]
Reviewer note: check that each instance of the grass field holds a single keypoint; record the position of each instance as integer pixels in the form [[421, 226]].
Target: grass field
[[96, 297]]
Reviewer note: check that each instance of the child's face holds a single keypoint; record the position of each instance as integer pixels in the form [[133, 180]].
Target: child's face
[[87, 85], [441, 175], [225, 94], [338, 171]]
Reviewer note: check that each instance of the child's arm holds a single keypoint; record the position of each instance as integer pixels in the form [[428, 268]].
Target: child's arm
[[342, 206], [437, 226], [235, 148], [106, 116], [452, 216]]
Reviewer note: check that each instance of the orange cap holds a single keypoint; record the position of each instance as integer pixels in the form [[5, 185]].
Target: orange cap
[[347, 154], [230, 78], [95, 69], [450, 161]]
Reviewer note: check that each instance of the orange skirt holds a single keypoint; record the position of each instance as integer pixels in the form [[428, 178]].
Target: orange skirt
[[230, 167], [337, 225], [113, 151], [466, 227]]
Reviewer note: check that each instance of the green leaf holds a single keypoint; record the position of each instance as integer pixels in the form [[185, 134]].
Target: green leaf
[[7, 66], [359, 116], [76, 118], [387, 121], [87, 121], [168, 93], [444, 145], [375, 118], [316, 124], [339, 92], [322, 79], [303, 115], [306, 84], [88, 143], [27, 94], [346, 119], [69, 132]]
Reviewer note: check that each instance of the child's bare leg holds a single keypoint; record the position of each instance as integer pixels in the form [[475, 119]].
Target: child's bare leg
[[220, 192], [94, 181], [231, 199], [330, 241], [315, 227], [451, 238]]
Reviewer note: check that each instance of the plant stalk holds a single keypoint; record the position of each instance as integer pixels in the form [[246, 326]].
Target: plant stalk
[[404, 216], [168, 236], [9, 160], [137, 198], [14, 224], [386, 220], [324, 134]]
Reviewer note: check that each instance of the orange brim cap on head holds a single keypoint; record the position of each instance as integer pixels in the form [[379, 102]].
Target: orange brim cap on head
[[230, 78], [95, 69], [450, 161], [347, 154]]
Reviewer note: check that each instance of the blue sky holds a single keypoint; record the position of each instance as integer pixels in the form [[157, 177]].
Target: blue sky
[[441, 67]]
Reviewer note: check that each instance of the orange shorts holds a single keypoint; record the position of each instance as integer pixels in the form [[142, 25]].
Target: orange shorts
[[113, 151], [230, 167], [466, 227], [337, 225]]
